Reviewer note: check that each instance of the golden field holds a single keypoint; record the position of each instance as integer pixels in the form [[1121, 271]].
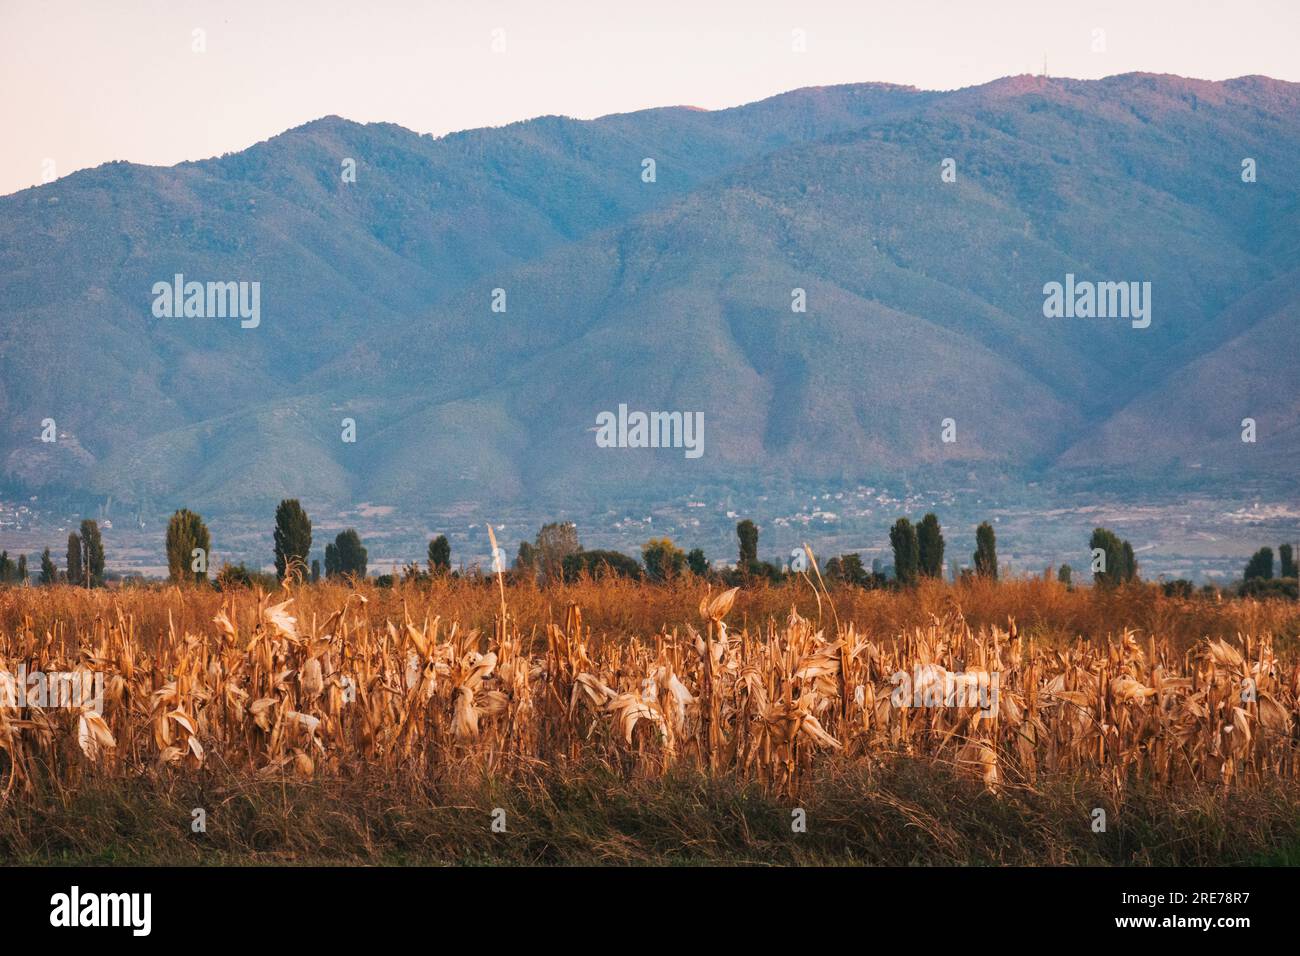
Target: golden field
[[1124, 694]]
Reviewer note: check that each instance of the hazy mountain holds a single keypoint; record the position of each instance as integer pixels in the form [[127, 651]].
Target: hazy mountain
[[924, 298]]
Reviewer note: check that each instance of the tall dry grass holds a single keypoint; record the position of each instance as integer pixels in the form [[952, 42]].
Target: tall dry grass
[[774, 686]]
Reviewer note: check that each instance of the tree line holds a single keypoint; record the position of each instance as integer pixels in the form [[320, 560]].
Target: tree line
[[556, 554], [84, 561], [1258, 579]]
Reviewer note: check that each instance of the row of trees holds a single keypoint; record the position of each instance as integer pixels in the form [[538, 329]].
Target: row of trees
[[1260, 565], [12, 572], [918, 553], [919, 550], [1258, 579], [556, 554], [85, 561], [189, 545], [346, 556]]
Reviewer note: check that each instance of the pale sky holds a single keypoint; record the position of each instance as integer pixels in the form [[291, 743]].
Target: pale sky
[[85, 82]]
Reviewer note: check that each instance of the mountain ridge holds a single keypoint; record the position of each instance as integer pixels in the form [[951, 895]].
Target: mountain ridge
[[379, 293]]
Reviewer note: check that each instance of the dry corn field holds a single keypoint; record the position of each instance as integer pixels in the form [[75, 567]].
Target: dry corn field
[[463, 680]]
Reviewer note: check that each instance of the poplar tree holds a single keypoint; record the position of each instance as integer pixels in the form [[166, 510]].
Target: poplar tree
[[986, 552], [92, 553], [49, 573], [74, 559], [292, 537], [929, 539], [186, 532], [902, 536], [747, 533], [1288, 561]]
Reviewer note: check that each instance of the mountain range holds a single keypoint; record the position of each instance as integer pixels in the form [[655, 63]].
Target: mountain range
[[655, 260]]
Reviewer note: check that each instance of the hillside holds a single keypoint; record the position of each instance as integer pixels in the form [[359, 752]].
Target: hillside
[[924, 298]]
